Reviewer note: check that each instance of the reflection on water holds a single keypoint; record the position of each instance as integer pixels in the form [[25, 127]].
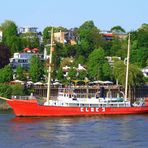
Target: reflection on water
[[70, 132]]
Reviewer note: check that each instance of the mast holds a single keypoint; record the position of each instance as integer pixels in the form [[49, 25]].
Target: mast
[[127, 67], [49, 68]]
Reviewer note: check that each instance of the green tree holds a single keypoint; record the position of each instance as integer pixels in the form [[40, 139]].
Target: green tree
[[10, 36], [17, 90], [139, 50], [20, 73], [30, 40], [117, 29], [66, 62], [6, 74], [82, 75], [79, 60], [5, 90], [94, 64], [36, 70], [107, 71], [72, 73], [89, 37], [135, 74], [60, 75]]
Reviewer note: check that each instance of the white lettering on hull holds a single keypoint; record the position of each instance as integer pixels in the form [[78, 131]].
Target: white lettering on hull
[[92, 109]]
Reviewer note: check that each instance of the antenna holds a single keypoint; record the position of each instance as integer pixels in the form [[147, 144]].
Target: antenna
[[49, 68], [127, 67]]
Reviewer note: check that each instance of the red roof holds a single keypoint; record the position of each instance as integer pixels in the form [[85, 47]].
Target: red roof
[[26, 49], [35, 49], [108, 34]]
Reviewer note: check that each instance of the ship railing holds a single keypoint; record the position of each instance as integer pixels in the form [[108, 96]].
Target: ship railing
[[76, 103]]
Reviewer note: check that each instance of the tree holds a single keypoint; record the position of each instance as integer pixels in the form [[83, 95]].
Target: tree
[[135, 75], [20, 73], [4, 55], [72, 73], [94, 64], [30, 40], [139, 50], [107, 71], [117, 29], [82, 75], [6, 74], [17, 90], [5, 90], [79, 60], [66, 62], [60, 75], [36, 70], [10, 36], [89, 37]]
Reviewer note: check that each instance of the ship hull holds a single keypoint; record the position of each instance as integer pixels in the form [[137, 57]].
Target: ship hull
[[32, 108]]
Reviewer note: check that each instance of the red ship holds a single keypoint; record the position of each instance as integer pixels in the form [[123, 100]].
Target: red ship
[[69, 103], [77, 107]]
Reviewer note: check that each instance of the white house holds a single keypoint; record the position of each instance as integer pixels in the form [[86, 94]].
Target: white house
[[145, 71]]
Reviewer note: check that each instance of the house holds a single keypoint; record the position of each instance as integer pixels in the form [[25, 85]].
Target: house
[[111, 60], [145, 71], [67, 68], [23, 59], [1, 35], [65, 37], [28, 29], [31, 30], [108, 35]]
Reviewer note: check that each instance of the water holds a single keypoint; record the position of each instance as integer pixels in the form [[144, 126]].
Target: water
[[126, 131]]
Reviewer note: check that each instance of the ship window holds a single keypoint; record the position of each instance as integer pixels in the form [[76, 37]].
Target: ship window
[[86, 105], [93, 105]]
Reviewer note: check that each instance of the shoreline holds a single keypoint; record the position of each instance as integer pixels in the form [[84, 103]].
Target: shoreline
[[4, 106]]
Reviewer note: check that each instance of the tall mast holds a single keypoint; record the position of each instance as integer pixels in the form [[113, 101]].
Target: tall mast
[[127, 67], [49, 68]]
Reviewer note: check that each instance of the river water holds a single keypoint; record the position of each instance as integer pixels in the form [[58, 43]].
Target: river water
[[125, 131]]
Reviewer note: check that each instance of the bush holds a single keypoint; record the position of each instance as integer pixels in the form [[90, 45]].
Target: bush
[[5, 90], [17, 90]]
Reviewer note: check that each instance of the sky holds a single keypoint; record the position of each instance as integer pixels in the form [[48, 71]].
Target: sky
[[129, 14]]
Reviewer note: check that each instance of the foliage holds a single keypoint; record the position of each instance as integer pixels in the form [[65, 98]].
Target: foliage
[[72, 73], [36, 70], [82, 75], [139, 51], [117, 29], [107, 71], [135, 75], [79, 60], [20, 73], [6, 74], [29, 40], [10, 37], [95, 64], [5, 90], [66, 62], [17, 90], [60, 74], [89, 37]]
